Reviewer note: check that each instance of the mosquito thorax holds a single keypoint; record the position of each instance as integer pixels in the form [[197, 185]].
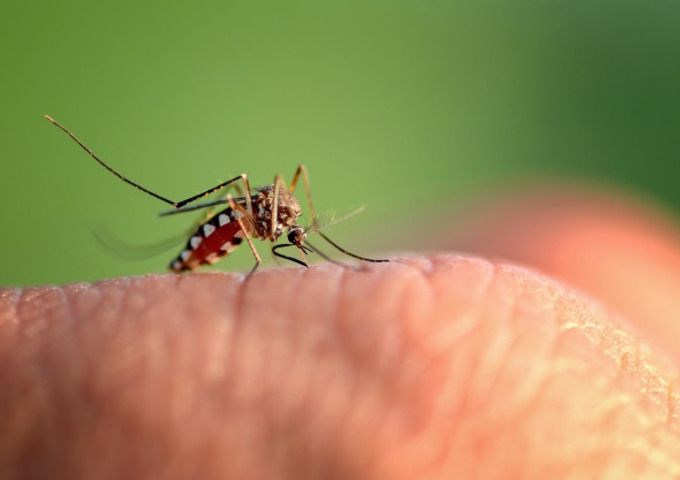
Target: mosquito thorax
[[288, 211]]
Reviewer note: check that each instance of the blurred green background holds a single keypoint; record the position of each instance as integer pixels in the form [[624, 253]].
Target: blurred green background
[[401, 106]]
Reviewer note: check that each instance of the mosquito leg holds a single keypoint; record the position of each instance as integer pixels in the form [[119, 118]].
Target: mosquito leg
[[350, 254], [302, 170], [329, 259], [248, 195], [243, 177], [199, 206], [278, 186], [246, 217]]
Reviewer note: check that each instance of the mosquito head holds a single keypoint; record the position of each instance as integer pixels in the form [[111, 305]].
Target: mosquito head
[[297, 235]]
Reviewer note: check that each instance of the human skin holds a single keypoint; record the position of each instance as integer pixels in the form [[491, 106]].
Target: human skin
[[440, 366]]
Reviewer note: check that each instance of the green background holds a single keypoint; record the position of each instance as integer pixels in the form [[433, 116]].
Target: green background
[[401, 106]]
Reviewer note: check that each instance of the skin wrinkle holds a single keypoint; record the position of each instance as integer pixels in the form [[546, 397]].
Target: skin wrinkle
[[522, 392], [443, 294], [357, 401], [260, 323], [655, 387], [402, 421], [614, 340], [340, 385], [194, 370], [236, 331], [658, 454], [185, 358], [673, 403], [76, 407], [9, 326], [343, 374], [490, 369], [209, 343], [517, 325], [162, 346], [9, 314], [107, 388], [37, 386], [403, 366], [618, 344], [63, 341], [635, 455], [348, 400], [415, 438], [614, 408], [219, 353], [559, 452], [531, 297], [489, 379], [241, 395], [450, 396], [285, 402], [414, 364], [595, 448], [290, 423], [116, 359], [29, 310], [358, 359], [338, 276], [195, 394], [112, 310]]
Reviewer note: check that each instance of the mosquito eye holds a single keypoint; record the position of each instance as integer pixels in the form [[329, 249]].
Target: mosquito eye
[[292, 236], [296, 235]]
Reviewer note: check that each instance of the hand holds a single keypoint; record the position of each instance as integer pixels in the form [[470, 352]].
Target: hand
[[427, 367]]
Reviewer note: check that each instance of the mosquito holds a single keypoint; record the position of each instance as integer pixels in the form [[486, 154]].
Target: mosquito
[[263, 214]]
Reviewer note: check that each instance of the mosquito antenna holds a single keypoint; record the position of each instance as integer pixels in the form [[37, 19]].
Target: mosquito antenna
[[334, 221], [338, 247], [101, 162]]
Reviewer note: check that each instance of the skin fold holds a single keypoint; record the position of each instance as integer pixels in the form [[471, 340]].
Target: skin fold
[[439, 366]]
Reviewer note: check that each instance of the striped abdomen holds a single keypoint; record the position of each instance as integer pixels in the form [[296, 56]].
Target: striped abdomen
[[212, 240]]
